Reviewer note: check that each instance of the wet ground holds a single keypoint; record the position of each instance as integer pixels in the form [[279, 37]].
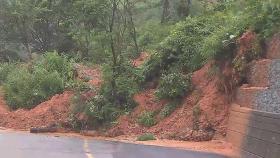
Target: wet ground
[[25, 145]]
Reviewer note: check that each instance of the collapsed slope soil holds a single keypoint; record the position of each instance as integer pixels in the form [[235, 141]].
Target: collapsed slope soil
[[50, 113], [54, 112], [213, 104]]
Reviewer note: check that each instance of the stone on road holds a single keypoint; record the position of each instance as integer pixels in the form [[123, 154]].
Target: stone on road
[[25, 145]]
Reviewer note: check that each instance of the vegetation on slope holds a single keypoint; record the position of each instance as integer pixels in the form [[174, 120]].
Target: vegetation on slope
[[181, 35]]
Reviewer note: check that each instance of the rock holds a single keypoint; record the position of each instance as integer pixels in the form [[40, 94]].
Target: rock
[[43, 130]]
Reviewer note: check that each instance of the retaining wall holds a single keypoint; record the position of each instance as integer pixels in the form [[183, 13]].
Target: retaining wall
[[254, 134]]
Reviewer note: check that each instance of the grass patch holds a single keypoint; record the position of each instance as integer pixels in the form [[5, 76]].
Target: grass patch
[[169, 109], [146, 137], [147, 119]]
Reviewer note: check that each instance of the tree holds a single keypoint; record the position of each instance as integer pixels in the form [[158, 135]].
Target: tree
[[183, 8], [38, 25], [165, 11]]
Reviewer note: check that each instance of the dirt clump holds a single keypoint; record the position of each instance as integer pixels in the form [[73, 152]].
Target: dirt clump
[[49, 113], [89, 74], [52, 113]]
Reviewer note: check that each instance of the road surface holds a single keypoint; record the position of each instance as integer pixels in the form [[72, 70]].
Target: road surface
[[25, 145]]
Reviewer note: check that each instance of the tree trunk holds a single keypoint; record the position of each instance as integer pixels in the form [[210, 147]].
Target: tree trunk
[[112, 43], [132, 26], [166, 11]]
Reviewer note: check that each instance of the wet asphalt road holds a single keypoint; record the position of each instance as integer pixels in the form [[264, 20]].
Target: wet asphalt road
[[24, 145]]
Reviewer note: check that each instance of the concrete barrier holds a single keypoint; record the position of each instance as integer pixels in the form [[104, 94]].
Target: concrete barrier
[[254, 134]]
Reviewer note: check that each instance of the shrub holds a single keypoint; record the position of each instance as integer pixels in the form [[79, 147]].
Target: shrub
[[146, 137], [28, 85], [169, 109], [151, 34], [126, 79], [213, 35], [100, 111], [147, 119], [5, 69], [53, 62], [182, 48], [25, 90], [173, 85]]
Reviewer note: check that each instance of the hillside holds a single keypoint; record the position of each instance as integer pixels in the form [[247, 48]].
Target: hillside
[[138, 70]]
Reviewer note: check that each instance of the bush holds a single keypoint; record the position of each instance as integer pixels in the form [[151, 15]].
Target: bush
[[53, 62], [5, 69], [25, 90], [126, 79], [151, 34], [147, 119], [213, 35], [174, 85], [111, 101], [28, 85], [169, 109], [146, 137], [100, 111]]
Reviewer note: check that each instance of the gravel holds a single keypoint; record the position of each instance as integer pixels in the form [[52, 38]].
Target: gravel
[[269, 100]]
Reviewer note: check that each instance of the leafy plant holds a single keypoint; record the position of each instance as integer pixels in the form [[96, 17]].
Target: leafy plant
[[53, 62], [101, 110], [25, 90], [5, 69], [173, 85], [126, 84], [146, 137], [28, 85], [169, 109], [147, 119]]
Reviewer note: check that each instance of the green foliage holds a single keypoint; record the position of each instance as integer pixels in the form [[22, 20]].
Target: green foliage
[[169, 109], [126, 80], [25, 90], [98, 110], [87, 30], [28, 23], [101, 111], [211, 36], [146, 137], [151, 34], [147, 119], [5, 69], [53, 62], [26, 86], [182, 48], [173, 85]]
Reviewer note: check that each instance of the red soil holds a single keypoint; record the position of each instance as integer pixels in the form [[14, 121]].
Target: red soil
[[55, 111], [94, 74], [52, 112], [214, 113], [179, 125], [247, 42], [128, 123], [141, 59]]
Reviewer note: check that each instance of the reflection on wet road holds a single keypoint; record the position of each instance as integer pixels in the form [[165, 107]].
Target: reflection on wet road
[[24, 145]]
